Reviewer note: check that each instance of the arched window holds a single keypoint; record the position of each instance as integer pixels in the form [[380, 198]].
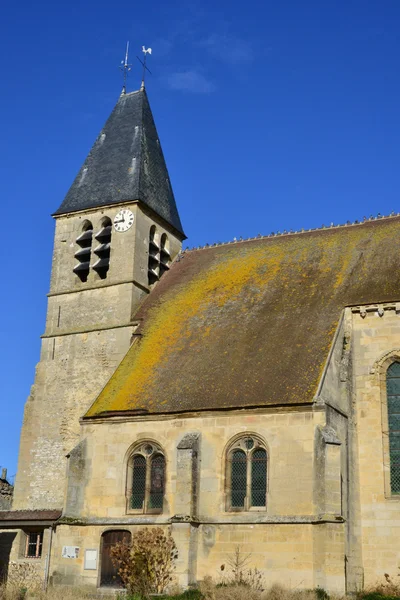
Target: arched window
[[84, 241], [103, 250], [246, 476], [165, 257], [154, 257], [393, 407], [146, 479]]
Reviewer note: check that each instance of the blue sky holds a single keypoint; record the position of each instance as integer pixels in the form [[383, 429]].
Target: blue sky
[[272, 116]]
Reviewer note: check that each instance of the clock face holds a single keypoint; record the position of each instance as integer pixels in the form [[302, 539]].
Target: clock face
[[123, 220]]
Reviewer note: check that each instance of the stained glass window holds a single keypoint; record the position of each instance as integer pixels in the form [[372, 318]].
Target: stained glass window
[[247, 474], [157, 482], [138, 481], [238, 478], [258, 477], [146, 484], [393, 402]]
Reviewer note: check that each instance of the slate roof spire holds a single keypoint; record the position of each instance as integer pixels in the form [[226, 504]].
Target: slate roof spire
[[126, 163]]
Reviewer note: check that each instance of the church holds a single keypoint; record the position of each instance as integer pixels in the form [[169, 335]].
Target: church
[[239, 395]]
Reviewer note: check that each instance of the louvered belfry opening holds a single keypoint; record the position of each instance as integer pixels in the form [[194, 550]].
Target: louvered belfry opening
[[247, 474], [147, 485], [103, 249], [84, 241], [154, 257], [165, 257], [159, 256], [393, 407]]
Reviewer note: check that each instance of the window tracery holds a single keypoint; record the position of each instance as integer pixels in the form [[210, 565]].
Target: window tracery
[[246, 474], [146, 479]]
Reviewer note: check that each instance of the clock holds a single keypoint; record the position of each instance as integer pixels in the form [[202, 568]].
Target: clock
[[123, 220]]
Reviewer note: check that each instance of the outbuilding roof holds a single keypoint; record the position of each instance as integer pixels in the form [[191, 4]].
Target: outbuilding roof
[[251, 323], [30, 515], [125, 163]]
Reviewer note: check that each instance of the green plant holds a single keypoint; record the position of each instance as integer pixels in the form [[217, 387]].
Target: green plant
[[146, 565], [387, 590], [321, 593]]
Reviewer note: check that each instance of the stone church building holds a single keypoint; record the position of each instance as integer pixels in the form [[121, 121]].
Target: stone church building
[[242, 394]]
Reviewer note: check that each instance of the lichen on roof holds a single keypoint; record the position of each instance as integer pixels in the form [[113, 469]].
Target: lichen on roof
[[251, 324]]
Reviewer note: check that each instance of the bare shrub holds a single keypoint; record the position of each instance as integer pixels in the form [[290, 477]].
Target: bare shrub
[[237, 571], [146, 565]]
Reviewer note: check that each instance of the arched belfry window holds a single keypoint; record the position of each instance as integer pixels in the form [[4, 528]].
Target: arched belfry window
[[159, 255], [246, 476], [146, 479], [165, 257], [393, 407], [84, 241], [103, 249], [154, 257]]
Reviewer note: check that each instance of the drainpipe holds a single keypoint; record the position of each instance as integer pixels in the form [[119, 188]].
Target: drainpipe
[[47, 567]]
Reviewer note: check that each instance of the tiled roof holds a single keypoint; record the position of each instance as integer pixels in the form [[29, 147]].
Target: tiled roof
[[30, 515], [251, 323], [125, 163]]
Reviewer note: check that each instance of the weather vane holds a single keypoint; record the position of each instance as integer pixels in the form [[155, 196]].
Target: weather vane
[[143, 63], [125, 67]]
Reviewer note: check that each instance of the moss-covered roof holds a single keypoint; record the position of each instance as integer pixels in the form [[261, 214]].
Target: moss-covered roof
[[251, 323]]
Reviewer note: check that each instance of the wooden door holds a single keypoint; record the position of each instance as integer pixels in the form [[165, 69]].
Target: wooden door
[[109, 573]]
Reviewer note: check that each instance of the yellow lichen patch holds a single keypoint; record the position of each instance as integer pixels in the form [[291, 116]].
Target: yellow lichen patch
[[251, 323], [168, 322]]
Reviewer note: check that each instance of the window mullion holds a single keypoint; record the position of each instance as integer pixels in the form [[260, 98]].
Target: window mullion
[[147, 485], [248, 481]]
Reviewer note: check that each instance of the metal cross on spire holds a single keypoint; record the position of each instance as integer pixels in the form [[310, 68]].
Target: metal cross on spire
[[143, 63], [125, 68]]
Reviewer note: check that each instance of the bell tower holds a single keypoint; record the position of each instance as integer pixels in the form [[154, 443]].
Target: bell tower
[[116, 233]]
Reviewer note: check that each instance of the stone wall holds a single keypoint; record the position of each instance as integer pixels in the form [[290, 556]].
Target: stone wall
[[290, 540], [89, 329], [376, 343]]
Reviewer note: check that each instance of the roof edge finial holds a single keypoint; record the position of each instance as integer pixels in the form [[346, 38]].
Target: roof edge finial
[[125, 68], [145, 51]]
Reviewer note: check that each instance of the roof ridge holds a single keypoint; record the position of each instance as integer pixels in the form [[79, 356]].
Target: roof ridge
[[291, 232]]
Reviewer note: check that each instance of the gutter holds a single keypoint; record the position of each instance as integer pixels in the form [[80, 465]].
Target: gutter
[[47, 567]]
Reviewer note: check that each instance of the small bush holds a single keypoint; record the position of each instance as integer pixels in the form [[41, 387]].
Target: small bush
[[146, 565]]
